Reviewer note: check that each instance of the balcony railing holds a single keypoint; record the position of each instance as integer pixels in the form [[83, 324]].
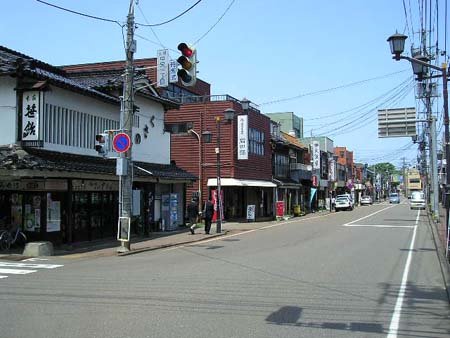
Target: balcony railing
[[301, 166]]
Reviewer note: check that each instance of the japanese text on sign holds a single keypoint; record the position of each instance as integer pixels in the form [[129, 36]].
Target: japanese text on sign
[[242, 137], [30, 116], [316, 155], [162, 69]]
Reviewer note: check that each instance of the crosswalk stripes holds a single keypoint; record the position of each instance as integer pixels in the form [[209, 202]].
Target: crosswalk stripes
[[23, 268]]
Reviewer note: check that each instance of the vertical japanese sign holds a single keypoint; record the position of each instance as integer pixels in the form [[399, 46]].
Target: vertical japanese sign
[[332, 170], [242, 136], [162, 68], [173, 70], [30, 116], [316, 155]]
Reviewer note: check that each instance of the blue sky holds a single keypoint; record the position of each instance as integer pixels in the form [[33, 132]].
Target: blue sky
[[284, 55]]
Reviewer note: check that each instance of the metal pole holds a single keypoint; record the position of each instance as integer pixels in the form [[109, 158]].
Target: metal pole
[[219, 188], [447, 152], [127, 181], [434, 175]]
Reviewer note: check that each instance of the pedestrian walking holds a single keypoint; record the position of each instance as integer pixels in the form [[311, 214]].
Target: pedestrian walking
[[208, 212], [192, 211]]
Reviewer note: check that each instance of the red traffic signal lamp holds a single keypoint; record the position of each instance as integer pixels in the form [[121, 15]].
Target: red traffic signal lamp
[[188, 62]]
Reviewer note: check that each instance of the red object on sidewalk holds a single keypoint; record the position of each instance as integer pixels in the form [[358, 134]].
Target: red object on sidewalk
[[280, 208]]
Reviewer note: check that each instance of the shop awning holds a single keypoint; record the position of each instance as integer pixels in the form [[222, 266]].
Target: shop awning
[[234, 182]]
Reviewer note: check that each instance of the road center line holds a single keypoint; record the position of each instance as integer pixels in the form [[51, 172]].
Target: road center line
[[359, 219], [380, 226], [393, 327]]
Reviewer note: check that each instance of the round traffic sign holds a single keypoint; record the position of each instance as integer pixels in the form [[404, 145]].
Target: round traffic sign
[[121, 142]]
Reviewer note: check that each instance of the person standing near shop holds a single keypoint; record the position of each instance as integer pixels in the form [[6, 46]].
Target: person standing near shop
[[192, 211], [208, 212]]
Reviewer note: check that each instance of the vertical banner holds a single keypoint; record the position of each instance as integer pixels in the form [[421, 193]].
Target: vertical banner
[[162, 68], [332, 170], [316, 155], [214, 201], [173, 70], [30, 116], [280, 208], [242, 136]]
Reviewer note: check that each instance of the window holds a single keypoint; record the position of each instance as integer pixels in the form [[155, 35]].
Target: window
[[256, 142], [281, 165], [73, 128], [178, 128]]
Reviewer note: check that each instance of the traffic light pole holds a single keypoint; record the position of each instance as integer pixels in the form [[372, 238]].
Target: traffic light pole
[[127, 118]]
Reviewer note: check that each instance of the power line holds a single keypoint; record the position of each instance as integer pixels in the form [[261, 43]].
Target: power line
[[145, 18], [170, 20], [357, 108], [332, 89], [79, 13], [218, 20]]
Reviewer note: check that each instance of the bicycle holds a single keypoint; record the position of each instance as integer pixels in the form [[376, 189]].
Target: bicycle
[[8, 238]]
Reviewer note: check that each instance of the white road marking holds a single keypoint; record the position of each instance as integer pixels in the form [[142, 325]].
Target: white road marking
[[30, 265], [3, 277], [395, 321], [34, 259], [380, 226], [373, 213], [16, 271]]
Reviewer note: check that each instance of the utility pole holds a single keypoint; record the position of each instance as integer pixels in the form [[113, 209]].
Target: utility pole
[[127, 118], [404, 175]]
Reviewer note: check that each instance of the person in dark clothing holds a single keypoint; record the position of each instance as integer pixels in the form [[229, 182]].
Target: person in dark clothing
[[192, 211], [208, 212]]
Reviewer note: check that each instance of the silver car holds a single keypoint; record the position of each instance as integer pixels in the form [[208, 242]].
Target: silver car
[[417, 200]]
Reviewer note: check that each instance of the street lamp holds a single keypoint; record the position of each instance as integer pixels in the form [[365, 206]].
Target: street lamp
[[192, 131], [397, 44], [228, 116]]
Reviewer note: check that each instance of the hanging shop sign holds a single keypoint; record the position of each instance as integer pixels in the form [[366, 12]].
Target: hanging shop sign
[[315, 155], [242, 136], [30, 116]]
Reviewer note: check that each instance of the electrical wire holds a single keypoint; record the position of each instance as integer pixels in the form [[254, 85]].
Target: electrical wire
[[322, 91], [400, 89], [218, 20], [79, 13], [357, 108], [170, 20], [153, 31]]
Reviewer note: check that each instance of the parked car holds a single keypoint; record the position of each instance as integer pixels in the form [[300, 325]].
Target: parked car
[[343, 202], [394, 197], [366, 200], [417, 200]]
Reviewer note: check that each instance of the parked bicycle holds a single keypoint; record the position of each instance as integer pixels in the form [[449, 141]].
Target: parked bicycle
[[11, 237]]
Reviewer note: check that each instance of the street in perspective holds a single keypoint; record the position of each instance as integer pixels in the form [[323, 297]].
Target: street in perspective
[[224, 169]]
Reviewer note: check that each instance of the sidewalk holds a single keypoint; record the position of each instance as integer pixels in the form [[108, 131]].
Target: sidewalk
[[156, 240]]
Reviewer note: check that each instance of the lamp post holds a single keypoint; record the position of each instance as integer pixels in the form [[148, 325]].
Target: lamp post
[[228, 116], [192, 131], [420, 65]]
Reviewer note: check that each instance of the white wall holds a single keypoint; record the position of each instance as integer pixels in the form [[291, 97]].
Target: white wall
[[8, 109], [155, 148]]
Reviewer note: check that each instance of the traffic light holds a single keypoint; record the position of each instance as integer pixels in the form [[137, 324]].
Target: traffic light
[[188, 62], [102, 143]]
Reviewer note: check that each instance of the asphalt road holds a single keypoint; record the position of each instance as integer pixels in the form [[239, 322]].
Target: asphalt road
[[371, 272]]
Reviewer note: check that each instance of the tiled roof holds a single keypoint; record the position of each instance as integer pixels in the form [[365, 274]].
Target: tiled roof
[[16, 158], [12, 62], [89, 83], [293, 140]]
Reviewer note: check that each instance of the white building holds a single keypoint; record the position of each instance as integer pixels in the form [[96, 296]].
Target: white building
[[53, 183]]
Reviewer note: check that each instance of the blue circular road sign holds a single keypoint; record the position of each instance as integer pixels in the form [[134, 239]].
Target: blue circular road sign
[[121, 142]]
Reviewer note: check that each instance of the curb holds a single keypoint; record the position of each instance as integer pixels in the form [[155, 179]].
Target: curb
[[163, 246], [443, 263]]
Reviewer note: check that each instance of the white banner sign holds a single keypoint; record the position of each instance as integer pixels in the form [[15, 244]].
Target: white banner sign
[[242, 137], [332, 170], [162, 68], [173, 69], [316, 155], [30, 116]]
